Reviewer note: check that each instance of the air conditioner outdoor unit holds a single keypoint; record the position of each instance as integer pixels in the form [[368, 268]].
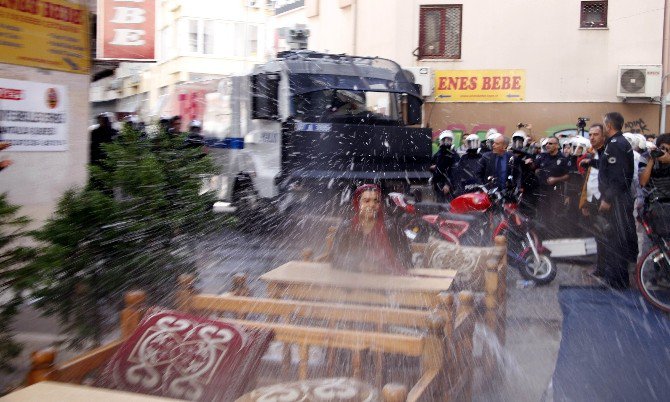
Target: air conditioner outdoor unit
[[422, 76], [639, 81]]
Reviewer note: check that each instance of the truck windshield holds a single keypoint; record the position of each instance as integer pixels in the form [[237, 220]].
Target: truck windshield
[[347, 106]]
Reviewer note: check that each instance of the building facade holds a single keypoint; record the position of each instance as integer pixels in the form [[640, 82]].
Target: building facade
[[44, 104], [197, 42], [564, 55]]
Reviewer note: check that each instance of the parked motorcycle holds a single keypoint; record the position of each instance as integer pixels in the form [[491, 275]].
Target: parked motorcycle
[[475, 218]]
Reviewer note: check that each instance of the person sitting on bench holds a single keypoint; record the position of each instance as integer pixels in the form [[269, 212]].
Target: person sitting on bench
[[366, 243]]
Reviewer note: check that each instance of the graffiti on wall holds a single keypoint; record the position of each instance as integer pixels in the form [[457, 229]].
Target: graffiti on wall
[[636, 126]]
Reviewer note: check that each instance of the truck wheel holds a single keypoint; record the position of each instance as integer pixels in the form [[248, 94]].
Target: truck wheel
[[244, 196]]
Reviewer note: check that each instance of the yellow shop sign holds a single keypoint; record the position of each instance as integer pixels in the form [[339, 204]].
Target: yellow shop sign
[[480, 85], [52, 34]]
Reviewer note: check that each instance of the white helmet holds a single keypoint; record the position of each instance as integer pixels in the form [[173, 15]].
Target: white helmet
[[632, 140], [131, 118], [520, 136], [472, 141], [580, 145], [446, 134], [195, 124], [543, 144], [491, 134], [641, 142]]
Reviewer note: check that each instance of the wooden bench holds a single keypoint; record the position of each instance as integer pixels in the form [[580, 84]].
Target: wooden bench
[[440, 340]]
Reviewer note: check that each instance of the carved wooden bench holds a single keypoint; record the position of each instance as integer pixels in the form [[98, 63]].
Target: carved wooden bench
[[441, 341]]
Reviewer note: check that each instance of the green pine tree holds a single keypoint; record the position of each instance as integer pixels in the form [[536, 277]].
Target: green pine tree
[[12, 283], [133, 227]]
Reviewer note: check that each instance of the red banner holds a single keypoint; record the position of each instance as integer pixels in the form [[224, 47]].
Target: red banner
[[126, 29]]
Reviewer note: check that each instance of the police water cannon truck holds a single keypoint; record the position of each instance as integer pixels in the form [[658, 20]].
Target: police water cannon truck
[[309, 123]]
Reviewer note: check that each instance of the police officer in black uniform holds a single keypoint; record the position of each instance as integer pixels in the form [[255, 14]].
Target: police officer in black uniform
[[615, 175], [524, 159], [551, 169], [469, 169], [442, 165]]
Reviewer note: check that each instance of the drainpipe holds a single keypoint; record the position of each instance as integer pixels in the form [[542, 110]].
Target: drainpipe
[[666, 63], [354, 9]]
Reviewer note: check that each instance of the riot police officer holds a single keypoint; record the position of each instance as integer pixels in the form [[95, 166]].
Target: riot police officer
[[551, 169], [615, 176], [469, 169], [487, 145], [441, 166], [524, 158]]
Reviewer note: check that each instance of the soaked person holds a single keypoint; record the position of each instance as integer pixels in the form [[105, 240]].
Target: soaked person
[[469, 170], [615, 177], [551, 169], [442, 166], [366, 243]]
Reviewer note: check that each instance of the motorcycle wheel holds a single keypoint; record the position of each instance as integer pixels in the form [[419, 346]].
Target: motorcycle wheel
[[653, 278], [541, 272]]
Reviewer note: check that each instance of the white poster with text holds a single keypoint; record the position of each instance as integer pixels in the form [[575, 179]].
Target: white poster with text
[[33, 116]]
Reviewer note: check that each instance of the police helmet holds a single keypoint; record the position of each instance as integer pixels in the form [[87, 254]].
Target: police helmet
[[641, 142], [632, 140], [472, 141], [490, 135], [543, 145], [446, 134], [579, 145], [520, 139]]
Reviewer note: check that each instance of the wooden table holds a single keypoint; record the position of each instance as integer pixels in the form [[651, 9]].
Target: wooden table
[[62, 392], [319, 281]]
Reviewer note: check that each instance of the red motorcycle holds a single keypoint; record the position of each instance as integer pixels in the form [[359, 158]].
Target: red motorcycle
[[474, 219]]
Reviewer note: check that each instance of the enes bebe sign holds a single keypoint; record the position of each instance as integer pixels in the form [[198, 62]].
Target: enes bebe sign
[[480, 85], [126, 29]]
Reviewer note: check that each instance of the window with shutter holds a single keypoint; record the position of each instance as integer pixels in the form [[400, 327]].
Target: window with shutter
[[593, 14], [440, 31]]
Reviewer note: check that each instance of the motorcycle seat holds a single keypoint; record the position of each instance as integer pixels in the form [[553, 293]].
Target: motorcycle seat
[[469, 218], [428, 208]]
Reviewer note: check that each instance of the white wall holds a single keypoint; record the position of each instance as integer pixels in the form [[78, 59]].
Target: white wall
[[332, 29], [563, 63], [36, 180]]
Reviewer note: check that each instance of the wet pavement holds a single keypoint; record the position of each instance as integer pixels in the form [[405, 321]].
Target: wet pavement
[[533, 315]]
